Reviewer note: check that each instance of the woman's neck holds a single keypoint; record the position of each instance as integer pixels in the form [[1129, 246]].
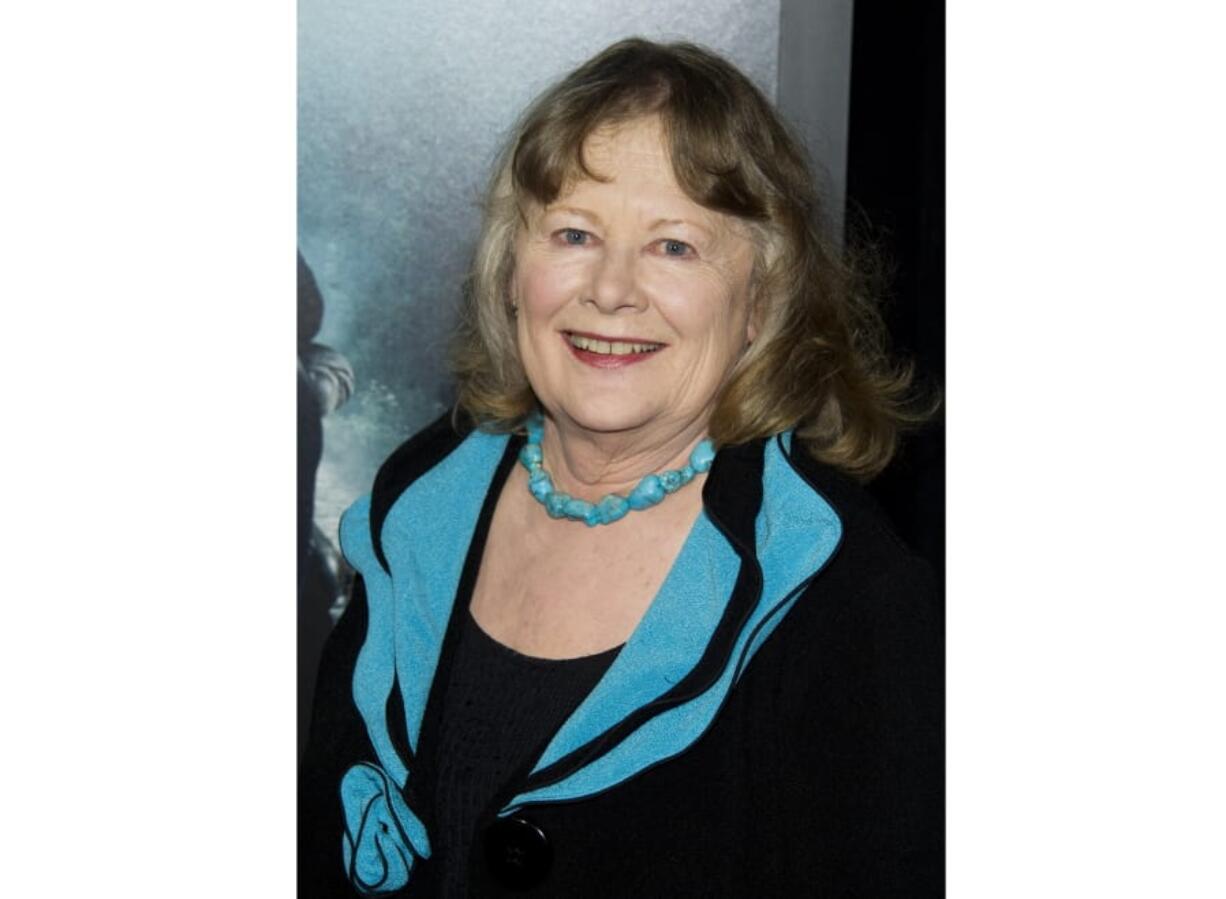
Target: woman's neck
[[589, 465]]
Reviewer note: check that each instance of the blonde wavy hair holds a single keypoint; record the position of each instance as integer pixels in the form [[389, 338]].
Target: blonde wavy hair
[[819, 363]]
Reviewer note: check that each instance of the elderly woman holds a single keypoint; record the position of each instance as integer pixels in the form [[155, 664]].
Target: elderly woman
[[624, 625]]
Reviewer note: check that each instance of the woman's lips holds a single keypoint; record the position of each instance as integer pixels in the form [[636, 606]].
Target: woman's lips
[[601, 351]]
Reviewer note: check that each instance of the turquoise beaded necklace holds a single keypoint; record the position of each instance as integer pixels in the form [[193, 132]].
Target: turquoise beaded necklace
[[651, 490]]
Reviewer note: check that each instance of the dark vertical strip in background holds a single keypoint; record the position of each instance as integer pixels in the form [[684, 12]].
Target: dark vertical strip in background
[[896, 199], [814, 77]]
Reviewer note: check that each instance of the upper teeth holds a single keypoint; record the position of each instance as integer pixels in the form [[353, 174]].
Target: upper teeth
[[610, 347]]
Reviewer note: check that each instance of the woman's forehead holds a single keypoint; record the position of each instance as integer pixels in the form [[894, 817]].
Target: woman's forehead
[[636, 144], [630, 159]]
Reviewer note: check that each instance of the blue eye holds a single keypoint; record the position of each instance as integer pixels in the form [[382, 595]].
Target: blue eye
[[676, 248], [574, 237]]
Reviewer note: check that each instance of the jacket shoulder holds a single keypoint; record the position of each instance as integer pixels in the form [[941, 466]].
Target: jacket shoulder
[[869, 538], [871, 623], [875, 585]]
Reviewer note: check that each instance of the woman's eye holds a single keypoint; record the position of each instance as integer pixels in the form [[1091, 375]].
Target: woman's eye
[[676, 248], [573, 236]]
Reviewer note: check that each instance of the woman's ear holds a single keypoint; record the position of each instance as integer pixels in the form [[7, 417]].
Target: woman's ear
[[751, 320]]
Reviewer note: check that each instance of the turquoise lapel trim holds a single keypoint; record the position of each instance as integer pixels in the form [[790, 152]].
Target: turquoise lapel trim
[[796, 533], [425, 538], [375, 669]]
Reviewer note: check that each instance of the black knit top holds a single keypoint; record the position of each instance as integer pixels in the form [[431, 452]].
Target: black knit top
[[499, 709]]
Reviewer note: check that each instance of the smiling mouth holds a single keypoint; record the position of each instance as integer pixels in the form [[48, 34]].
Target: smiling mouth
[[610, 347]]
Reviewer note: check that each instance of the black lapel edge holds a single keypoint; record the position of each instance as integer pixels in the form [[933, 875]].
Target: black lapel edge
[[732, 498], [397, 732]]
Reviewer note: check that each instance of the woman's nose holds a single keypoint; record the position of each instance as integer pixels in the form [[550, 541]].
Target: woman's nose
[[614, 284]]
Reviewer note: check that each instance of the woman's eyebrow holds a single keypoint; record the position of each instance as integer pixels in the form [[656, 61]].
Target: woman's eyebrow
[[576, 211], [664, 222], [689, 223]]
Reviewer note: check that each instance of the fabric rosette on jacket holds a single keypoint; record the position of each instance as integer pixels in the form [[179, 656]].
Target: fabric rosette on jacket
[[382, 835]]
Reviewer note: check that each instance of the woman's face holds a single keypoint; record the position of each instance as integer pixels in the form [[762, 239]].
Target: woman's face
[[633, 299]]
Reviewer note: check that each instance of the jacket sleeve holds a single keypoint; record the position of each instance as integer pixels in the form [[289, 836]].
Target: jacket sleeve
[[336, 742], [870, 743]]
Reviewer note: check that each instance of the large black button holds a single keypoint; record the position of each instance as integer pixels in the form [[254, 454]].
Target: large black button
[[517, 852]]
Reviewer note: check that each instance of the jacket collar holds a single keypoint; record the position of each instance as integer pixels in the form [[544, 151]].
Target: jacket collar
[[764, 534]]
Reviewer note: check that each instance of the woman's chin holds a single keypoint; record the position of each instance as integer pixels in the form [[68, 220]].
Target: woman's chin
[[600, 419]]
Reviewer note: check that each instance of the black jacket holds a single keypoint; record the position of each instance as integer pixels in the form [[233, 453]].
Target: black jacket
[[793, 747]]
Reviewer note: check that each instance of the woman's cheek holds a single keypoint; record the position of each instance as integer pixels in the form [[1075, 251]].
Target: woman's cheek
[[546, 284]]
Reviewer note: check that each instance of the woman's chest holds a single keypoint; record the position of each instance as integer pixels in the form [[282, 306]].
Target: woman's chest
[[574, 595]]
